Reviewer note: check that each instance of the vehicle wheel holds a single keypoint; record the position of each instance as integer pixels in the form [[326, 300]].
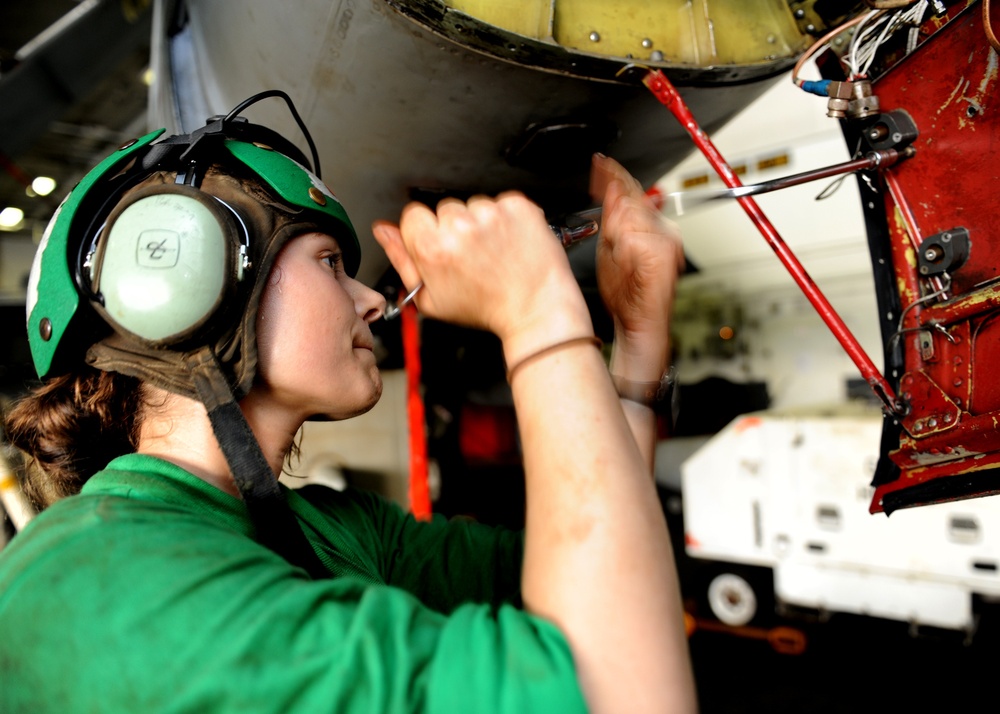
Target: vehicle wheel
[[732, 599]]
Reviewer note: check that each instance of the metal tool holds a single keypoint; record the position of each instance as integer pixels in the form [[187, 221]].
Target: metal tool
[[680, 201], [393, 311], [567, 235], [571, 234]]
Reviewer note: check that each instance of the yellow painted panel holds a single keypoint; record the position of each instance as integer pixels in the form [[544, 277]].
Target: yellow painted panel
[[700, 33], [531, 18]]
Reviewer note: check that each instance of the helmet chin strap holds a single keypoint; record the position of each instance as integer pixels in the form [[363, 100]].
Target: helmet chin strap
[[273, 520]]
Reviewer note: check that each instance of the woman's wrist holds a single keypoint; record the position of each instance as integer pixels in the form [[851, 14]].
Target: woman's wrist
[[555, 315], [640, 359], [543, 352], [530, 345], [651, 394]]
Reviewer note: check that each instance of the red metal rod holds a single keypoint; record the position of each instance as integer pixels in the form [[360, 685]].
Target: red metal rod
[[664, 91]]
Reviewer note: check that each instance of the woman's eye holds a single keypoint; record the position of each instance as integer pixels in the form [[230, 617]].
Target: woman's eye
[[335, 261]]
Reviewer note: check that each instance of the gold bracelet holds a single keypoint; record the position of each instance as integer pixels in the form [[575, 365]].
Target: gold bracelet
[[596, 342]]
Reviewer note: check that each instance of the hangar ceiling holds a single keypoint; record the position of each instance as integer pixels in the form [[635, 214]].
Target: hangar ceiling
[[71, 90]]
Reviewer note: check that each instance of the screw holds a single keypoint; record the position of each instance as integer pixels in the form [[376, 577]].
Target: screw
[[595, 36], [317, 196]]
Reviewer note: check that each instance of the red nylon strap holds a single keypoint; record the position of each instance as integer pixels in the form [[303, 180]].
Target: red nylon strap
[[419, 492]]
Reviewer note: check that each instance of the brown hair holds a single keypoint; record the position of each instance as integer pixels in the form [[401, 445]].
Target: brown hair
[[71, 427]]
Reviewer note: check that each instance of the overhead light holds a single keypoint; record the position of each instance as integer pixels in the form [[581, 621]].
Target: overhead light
[[43, 185], [11, 218]]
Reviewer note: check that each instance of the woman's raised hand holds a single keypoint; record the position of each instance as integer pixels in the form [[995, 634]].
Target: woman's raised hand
[[489, 263]]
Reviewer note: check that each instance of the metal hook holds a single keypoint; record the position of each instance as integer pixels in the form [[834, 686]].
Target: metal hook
[[393, 311]]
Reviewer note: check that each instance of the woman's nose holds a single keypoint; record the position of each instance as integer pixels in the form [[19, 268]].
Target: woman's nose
[[370, 303]]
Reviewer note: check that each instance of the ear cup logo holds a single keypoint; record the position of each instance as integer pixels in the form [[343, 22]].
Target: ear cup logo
[[166, 264], [157, 248]]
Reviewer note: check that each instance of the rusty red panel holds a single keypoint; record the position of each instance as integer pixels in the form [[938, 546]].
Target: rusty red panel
[[949, 88], [951, 341]]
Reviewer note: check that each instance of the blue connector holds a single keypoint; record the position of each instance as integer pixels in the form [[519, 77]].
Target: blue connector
[[815, 87]]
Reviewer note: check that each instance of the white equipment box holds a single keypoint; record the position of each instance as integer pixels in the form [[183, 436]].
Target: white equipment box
[[790, 492]]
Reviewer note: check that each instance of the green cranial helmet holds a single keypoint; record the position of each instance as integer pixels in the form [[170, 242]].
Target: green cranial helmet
[[154, 266], [163, 241]]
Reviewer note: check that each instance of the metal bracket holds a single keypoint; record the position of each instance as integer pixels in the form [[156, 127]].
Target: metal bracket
[[943, 252]]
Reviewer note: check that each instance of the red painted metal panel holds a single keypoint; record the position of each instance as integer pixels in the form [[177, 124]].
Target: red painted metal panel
[[951, 342]]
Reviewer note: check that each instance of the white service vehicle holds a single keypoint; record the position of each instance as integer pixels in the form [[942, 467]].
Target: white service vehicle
[[788, 492]]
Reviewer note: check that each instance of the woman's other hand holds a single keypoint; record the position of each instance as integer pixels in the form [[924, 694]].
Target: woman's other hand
[[639, 257]]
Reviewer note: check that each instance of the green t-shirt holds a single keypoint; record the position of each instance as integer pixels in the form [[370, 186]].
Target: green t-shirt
[[146, 593]]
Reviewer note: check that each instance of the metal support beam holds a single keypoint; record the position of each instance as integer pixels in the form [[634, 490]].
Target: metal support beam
[[63, 64]]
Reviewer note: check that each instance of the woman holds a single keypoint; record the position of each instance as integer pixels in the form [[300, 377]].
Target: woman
[[181, 578]]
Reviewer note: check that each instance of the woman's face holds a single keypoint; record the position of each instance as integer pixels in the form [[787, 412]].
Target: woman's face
[[313, 337]]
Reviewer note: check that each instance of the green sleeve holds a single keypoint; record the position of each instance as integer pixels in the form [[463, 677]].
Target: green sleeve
[[153, 610], [443, 562]]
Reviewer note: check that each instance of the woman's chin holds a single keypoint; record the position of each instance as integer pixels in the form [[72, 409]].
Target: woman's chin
[[359, 407]]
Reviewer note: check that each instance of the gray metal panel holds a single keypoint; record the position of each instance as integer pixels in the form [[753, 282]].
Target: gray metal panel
[[395, 108]]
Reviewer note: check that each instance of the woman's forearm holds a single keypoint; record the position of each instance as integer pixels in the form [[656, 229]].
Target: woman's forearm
[[598, 560]]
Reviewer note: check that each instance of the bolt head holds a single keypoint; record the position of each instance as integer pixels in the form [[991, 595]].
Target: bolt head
[[317, 196]]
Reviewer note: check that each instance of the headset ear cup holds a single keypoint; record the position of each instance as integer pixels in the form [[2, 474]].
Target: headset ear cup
[[166, 263]]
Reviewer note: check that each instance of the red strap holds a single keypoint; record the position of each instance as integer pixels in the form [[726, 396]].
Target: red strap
[[420, 499]]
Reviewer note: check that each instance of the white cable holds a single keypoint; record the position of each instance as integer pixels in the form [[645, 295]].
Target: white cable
[[859, 34], [868, 39]]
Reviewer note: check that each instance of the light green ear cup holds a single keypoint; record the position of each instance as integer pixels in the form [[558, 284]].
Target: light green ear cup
[[53, 300], [165, 263]]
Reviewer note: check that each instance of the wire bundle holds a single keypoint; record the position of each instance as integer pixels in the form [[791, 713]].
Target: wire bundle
[[874, 29]]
